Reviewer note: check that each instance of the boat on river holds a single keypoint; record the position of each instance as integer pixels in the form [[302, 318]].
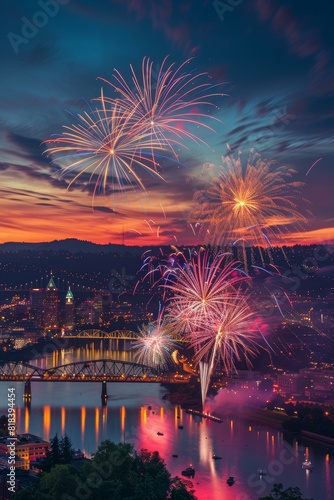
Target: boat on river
[[189, 471], [231, 481], [205, 415], [307, 465]]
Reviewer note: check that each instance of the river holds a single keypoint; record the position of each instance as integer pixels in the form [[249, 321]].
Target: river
[[75, 408]]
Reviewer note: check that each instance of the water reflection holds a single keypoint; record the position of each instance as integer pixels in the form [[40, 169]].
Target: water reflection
[[243, 447], [328, 474], [26, 419], [83, 424], [123, 415], [46, 422], [62, 420], [104, 421], [97, 426], [89, 352]]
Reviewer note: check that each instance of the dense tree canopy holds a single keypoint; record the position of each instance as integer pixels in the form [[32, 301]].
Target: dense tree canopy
[[278, 493], [116, 472], [61, 452]]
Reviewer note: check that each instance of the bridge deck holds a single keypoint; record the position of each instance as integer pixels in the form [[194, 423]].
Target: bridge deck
[[157, 380], [93, 333], [90, 371]]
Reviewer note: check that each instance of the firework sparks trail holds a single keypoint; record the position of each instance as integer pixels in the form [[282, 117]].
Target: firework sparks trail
[[266, 341], [199, 285], [165, 103], [210, 309], [155, 344], [154, 268], [269, 295], [228, 335], [105, 144], [278, 306], [313, 165], [254, 205]]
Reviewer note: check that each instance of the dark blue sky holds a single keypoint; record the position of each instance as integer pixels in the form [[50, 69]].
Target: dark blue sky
[[273, 59]]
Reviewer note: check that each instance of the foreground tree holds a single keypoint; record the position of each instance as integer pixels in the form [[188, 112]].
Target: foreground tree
[[60, 452], [3, 425], [154, 480], [66, 449], [277, 493], [117, 472]]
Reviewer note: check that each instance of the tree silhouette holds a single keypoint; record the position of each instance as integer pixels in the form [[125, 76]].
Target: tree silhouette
[[277, 493], [60, 452], [116, 472], [66, 450]]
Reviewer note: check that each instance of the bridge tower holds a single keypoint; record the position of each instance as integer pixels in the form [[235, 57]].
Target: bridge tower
[[104, 394], [27, 392]]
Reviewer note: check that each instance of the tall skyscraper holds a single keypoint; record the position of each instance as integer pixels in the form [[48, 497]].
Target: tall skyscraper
[[51, 306], [107, 309], [69, 311], [36, 298], [98, 309]]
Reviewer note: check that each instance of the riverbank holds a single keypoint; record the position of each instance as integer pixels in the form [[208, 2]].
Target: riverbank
[[260, 416], [275, 419], [249, 414], [185, 401], [318, 437]]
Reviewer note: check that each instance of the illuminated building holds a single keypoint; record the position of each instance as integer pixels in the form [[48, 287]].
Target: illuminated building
[[51, 306], [36, 298], [98, 308], [319, 379], [85, 312], [107, 314], [69, 311], [29, 448], [290, 383]]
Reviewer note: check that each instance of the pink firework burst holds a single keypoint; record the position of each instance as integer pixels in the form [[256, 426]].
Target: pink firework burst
[[199, 286], [155, 344]]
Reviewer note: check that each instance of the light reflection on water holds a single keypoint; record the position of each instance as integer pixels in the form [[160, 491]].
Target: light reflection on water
[[103, 349], [75, 408]]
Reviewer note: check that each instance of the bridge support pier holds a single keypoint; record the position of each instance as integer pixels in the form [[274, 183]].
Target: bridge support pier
[[27, 392], [104, 394]]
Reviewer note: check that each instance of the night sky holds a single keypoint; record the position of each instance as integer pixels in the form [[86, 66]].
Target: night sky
[[274, 60]]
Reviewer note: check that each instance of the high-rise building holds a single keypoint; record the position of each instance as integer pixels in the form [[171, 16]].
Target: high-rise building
[[51, 306], [36, 313], [107, 313], [98, 309], [69, 311], [85, 312]]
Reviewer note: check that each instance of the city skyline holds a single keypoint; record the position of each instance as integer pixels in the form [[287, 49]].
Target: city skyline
[[283, 109]]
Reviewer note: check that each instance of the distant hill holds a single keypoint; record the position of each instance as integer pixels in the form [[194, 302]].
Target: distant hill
[[71, 245]]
